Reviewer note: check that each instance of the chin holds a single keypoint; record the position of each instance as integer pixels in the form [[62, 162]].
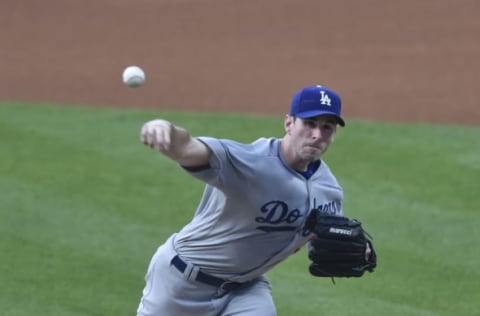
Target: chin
[[311, 157]]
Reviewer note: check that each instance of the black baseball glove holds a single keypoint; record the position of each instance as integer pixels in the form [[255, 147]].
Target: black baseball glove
[[339, 247]]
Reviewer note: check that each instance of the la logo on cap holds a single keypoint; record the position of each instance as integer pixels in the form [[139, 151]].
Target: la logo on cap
[[325, 99]]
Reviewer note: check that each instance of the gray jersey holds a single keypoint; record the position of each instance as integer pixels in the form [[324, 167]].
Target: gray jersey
[[252, 211]]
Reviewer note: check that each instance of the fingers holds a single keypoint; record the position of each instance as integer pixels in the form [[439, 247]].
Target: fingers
[[157, 134]]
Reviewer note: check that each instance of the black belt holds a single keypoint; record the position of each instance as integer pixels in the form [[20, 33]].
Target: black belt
[[224, 285]]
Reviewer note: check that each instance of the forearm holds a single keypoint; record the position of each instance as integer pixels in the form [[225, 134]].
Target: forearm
[[175, 142]]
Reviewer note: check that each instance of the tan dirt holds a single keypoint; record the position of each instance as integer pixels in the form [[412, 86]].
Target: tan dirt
[[410, 60]]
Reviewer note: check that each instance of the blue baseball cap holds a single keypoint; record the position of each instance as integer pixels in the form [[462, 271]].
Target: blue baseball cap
[[317, 100]]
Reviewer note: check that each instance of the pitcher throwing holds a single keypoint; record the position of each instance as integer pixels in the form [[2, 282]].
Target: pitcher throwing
[[252, 214]]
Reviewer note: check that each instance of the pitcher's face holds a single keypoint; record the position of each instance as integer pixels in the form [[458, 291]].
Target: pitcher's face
[[311, 137]]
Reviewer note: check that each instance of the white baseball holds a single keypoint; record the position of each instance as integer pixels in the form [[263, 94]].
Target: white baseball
[[133, 76]]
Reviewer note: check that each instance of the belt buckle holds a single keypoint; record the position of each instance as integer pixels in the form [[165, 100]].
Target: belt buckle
[[224, 284]]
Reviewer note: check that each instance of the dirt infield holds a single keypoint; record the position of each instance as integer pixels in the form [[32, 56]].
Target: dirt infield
[[404, 60]]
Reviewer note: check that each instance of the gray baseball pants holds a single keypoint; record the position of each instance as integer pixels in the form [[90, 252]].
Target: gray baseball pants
[[168, 292]]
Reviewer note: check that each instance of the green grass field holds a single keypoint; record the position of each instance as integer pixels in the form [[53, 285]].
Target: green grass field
[[84, 205]]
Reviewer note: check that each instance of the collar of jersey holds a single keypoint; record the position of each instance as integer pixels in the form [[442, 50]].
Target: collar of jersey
[[312, 167]]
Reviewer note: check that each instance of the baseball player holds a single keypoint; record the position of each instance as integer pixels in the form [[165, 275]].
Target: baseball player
[[252, 213]]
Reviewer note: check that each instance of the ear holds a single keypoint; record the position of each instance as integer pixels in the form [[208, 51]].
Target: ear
[[333, 135], [288, 123]]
